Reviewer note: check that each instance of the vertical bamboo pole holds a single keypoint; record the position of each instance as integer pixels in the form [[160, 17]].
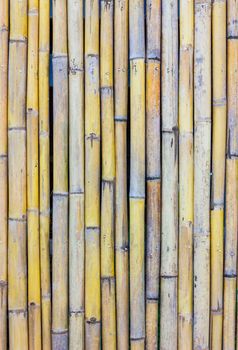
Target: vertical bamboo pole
[[202, 155], [218, 168], [137, 174], [17, 265], [44, 172], [230, 271], [92, 177], [4, 13], [108, 177], [153, 170], [121, 220], [76, 175], [185, 282], [169, 229], [34, 291], [60, 178]]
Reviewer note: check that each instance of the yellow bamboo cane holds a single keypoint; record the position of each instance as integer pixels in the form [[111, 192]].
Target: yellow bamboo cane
[[169, 228], [230, 270], [60, 178], [33, 243], [76, 175], [4, 10], [218, 168], [121, 223], [108, 177], [17, 257], [153, 171], [202, 155], [137, 174], [44, 172], [92, 178], [185, 283]]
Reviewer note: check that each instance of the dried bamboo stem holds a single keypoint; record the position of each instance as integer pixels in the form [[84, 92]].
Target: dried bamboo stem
[[169, 229], [230, 270], [137, 174], [92, 178], [153, 171], [218, 168], [17, 264], [76, 170], [108, 178], [4, 12], [60, 178], [44, 172], [121, 223], [202, 155], [185, 282]]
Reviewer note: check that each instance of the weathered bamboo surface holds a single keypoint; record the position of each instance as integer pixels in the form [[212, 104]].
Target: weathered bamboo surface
[[118, 174]]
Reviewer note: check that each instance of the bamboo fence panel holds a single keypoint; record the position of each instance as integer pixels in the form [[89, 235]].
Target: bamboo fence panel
[[4, 28], [118, 174]]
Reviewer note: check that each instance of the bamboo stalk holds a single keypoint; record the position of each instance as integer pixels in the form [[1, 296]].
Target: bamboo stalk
[[169, 229], [17, 264], [202, 155], [137, 174], [60, 178], [4, 23], [33, 243], [121, 220], [185, 282], [230, 270], [76, 171], [218, 168], [108, 177], [44, 171], [92, 178], [153, 171]]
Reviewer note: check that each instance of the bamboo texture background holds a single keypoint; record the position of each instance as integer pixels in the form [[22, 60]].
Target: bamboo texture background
[[118, 174]]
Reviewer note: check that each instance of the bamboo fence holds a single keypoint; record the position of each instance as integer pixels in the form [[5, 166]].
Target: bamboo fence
[[118, 174]]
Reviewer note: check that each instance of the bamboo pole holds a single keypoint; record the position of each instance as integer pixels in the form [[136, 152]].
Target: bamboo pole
[[153, 171], [202, 155], [33, 243], [169, 228], [185, 281], [76, 175], [92, 178], [4, 13], [230, 270], [137, 174], [17, 264], [108, 177], [44, 171], [121, 220], [218, 168], [60, 178]]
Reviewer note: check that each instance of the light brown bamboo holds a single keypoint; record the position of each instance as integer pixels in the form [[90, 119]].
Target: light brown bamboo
[[17, 253], [121, 221], [230, 269], [202, 155], [44, 172], [137, 174], [4, 13], [153, 171], [92, 178], [60, 178], [33, 241], [169, 228], [218, 168], [108, 178], [76, 175], [185, 282]]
